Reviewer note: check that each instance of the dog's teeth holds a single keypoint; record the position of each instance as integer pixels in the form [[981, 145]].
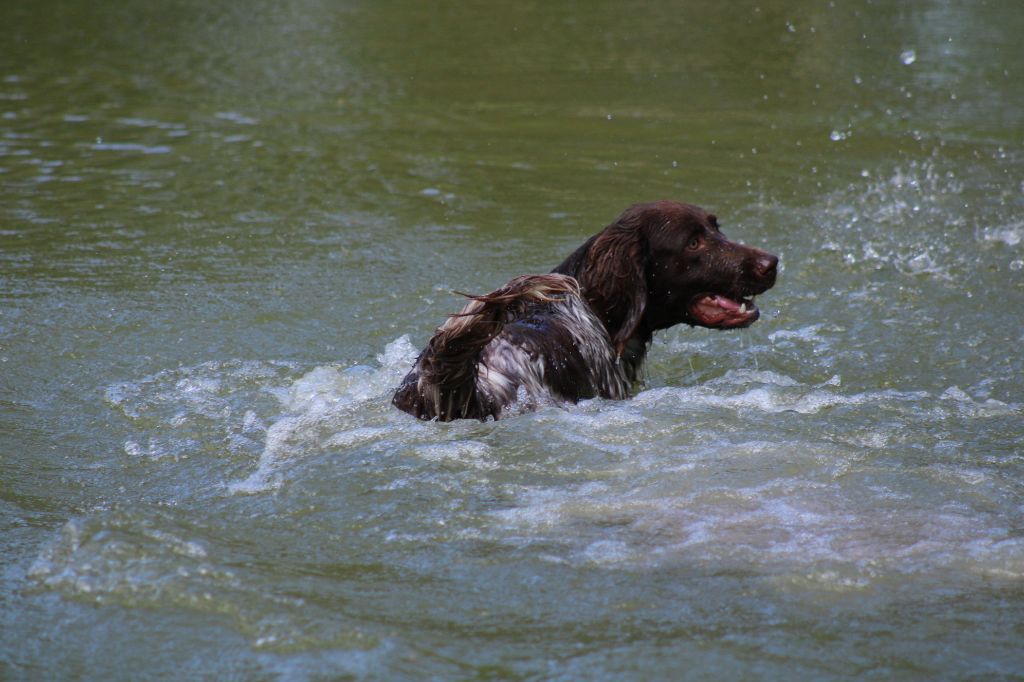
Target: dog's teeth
[[743, 307]]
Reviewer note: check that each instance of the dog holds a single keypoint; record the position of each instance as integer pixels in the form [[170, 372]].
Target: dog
[[583, 330]]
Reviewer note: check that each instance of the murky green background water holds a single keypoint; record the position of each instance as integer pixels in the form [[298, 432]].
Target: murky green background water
[[225, 229]]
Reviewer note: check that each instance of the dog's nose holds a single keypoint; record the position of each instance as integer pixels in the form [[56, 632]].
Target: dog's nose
[[765, 265]]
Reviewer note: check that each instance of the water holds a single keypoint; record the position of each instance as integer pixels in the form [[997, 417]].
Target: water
[[225, 232]]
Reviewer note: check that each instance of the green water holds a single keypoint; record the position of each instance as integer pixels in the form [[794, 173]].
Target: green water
[[226, 229]]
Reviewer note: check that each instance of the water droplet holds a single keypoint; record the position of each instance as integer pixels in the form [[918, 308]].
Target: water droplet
[[908, 57], [1017, 265], [837, 135]]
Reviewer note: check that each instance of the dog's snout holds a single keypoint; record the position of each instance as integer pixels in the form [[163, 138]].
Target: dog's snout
[[765, 265]]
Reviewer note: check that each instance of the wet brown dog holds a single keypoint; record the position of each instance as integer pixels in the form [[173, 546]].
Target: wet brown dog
[[584, 330]]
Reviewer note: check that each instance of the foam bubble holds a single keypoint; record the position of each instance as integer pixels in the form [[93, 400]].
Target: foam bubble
[[1011, 234], [607, 552], [133, 560], [780, 395], [968, 407], [473, 453], [260, 481], [329, 407], [357, 436], [743, 377], [790, 524]]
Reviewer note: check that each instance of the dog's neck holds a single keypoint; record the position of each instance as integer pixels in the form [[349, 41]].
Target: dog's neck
[[612, 314], [630, 351]]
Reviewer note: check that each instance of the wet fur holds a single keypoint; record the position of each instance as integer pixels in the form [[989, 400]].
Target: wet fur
[[583, 330]]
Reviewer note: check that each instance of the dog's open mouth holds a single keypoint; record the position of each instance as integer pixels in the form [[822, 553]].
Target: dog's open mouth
[[718, 311]]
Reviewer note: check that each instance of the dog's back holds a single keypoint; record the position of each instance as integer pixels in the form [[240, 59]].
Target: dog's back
[[535, 340]]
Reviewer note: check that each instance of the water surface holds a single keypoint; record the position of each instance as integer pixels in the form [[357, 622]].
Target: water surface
[[225, 231]]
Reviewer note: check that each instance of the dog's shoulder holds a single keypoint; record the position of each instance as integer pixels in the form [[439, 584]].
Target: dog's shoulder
[[559, 347]]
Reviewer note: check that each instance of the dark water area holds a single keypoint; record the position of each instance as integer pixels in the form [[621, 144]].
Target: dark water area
[[227, 228]]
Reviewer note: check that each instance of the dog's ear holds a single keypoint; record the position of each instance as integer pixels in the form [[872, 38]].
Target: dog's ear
[[614, 278]]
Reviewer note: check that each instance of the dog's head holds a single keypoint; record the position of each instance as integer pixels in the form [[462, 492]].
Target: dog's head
[[668, 263]]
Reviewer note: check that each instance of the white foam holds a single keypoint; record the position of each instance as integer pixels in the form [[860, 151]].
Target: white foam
[[329, 407], [111, 555], [778, 396], [968, 407], [357, 436], [743, 377], [132, 559], [608, 552], [151, 450], [1011, 234], [664, 478], [795, 525], [260, 481], [470, 452], [204, 390]]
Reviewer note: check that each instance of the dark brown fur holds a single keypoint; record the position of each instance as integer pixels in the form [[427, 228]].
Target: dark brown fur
[[583, 331]]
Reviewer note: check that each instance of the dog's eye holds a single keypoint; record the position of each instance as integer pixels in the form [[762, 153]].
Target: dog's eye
[[695, 243]]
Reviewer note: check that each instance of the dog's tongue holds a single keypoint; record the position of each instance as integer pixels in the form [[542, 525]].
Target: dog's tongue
[[721, 312]]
